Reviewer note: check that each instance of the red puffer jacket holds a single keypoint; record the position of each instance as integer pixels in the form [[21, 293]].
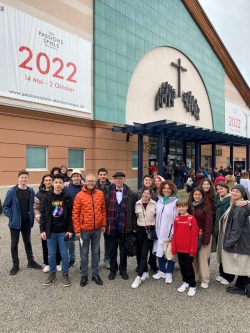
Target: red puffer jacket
[[89, 210]]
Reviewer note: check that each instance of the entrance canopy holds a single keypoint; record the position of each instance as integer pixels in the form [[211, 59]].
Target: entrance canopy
[[183, 132], [170, 130]]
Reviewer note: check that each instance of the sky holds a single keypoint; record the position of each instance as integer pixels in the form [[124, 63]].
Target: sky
[[231, 20]]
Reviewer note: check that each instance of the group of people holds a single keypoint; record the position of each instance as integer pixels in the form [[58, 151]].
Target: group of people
[[168, 229]]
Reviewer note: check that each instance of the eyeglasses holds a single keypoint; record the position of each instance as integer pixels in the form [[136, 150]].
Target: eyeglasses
[[90, 181]]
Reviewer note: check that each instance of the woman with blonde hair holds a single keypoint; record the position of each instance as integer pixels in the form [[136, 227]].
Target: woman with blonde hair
[[230, 179]]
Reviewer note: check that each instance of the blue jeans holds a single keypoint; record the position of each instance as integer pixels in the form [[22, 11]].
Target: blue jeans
[[72, 248], [162, 265], [63, 247], [177, 182], [93, 237]]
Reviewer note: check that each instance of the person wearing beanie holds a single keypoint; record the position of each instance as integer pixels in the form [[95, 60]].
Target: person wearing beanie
[[233, 243]]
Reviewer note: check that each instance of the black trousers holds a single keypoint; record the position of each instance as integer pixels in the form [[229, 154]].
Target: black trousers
[[144, 245], [187, 269], [45, 253], [152, 261], [242, 281], [113, 242], [226, 276], [15, 234]]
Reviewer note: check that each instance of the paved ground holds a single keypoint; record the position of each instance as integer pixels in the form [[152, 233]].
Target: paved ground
[[28, 306]]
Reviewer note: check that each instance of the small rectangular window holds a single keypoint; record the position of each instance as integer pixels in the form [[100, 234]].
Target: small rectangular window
[[134, 160], [76, 158], [36, 158]]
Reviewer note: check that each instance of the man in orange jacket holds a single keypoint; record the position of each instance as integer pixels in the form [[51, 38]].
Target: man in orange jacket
[[89, 221]]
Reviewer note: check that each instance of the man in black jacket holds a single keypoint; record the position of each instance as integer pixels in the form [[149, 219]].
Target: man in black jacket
[[56, 227], [121, 220]]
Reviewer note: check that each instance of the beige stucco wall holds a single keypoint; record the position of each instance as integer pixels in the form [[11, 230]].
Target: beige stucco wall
[[155, 68]]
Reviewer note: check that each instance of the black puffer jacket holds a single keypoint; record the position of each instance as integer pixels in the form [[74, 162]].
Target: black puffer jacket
[[237, 233]]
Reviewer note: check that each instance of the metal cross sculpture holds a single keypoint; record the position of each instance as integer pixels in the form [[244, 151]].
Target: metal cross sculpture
[[180, 68]]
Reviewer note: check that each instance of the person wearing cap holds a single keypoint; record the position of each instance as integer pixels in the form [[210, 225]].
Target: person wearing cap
[[121, 220], [233, 249], [74, 187]]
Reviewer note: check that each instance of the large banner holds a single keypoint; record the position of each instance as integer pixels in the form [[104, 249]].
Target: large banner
[[237, 120], [43, 64]]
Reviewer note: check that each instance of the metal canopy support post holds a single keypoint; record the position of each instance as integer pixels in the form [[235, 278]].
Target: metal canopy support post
[[213, 155], [232, 155], [167, 144], [197, 155], [140, 160], [247, 157], [184, 152], [160, 153]]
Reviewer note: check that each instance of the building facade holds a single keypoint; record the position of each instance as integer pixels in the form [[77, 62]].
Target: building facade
[[105, 62]]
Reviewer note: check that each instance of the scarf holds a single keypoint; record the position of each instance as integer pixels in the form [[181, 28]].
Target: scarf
[[196, 205], [116, 212]]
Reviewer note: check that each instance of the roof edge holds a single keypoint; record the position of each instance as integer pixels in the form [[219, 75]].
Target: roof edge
[[206, 27]]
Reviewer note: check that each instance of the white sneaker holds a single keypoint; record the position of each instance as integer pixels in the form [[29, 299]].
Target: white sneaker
[[169, 278], [224, 281], [191, 291], [46, 269], [204, 285], [219, 278], [159, 275], [136, 282], [58, 268], [144, 276], [183, 287]]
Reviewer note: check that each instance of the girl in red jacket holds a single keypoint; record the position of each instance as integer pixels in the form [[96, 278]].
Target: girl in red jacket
[[185, 244]]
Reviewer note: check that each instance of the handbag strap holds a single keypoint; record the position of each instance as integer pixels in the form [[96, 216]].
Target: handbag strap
[[170, 231]]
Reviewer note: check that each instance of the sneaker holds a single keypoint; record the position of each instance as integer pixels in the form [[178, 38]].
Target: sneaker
[[107, 264], [71, 263], [159, 275], [169, 278], [46, 269], [204, 285], [191, 291], [136, 282], [219, 278], [58, 268], [50, 279], [66, 280], [34, 264], [14, 270], [224, 281], [183, 287], [145, 276]]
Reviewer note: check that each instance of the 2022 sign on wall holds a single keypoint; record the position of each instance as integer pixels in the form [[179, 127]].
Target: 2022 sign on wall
[[43, 64]]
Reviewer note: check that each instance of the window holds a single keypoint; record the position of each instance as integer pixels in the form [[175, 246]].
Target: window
[[134, 160], [76, 158], [36, 158]]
